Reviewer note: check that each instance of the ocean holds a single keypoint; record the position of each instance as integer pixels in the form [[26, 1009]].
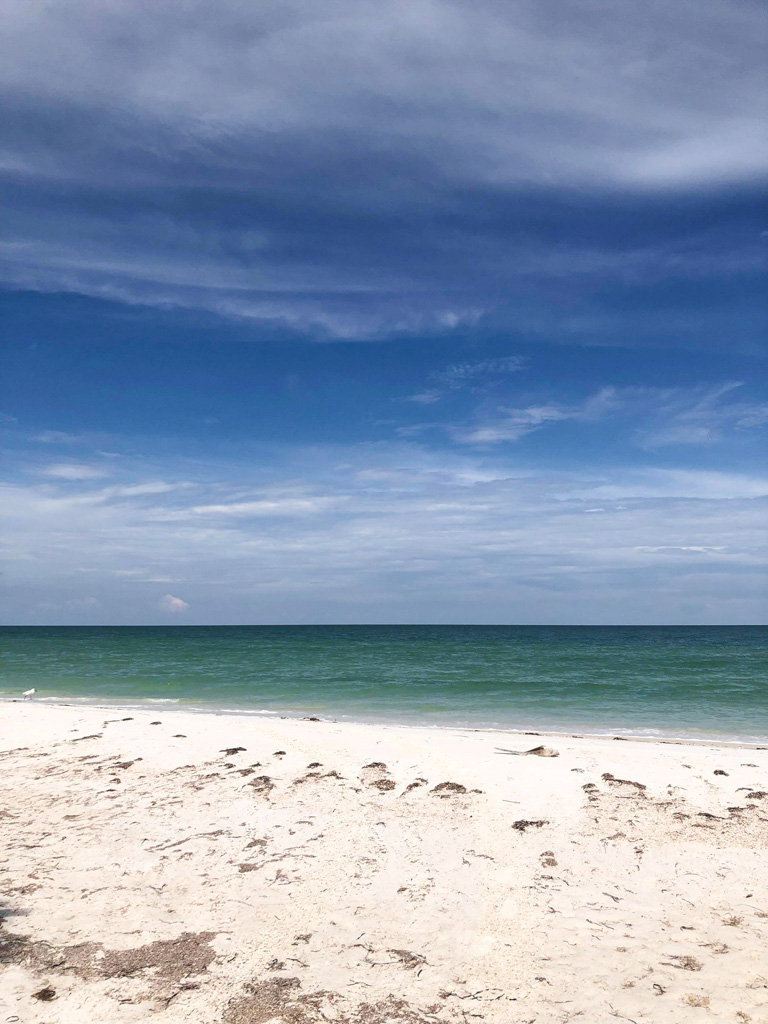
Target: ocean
[[670, 681]]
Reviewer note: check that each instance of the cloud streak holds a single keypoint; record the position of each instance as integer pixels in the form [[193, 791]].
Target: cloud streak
[[669, 417]]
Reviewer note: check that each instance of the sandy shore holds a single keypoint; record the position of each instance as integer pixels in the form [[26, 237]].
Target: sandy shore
[[243, 870]]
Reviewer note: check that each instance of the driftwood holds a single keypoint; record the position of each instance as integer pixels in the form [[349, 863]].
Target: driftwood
[[536, 751]]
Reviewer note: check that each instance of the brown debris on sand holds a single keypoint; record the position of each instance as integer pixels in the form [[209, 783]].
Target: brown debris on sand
[[282, 999], [696, 999], [231, 751], [383, 785], [623, 782], [177, 958], [416, 784], [306, 778], [262, 784], [190, 953], [449, 787], [407, 959], [275, 999], [684, 963], [523, 824]]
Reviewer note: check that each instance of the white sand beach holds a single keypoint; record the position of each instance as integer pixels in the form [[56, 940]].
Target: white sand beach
[[175, 866]]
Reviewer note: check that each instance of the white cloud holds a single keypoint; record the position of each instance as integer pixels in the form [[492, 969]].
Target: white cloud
[[72, 471], [411, 534]]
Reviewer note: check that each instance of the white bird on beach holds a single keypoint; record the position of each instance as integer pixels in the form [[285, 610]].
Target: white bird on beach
[[29, 693]]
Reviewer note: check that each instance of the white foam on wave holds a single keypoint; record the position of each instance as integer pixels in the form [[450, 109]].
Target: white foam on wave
[[577, 728]]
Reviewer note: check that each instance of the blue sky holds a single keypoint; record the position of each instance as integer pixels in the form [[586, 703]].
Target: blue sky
[[383, 312]]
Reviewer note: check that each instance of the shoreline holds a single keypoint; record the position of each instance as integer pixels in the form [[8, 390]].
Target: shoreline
[[177, 706]]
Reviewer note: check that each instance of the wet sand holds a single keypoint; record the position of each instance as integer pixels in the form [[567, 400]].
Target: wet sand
[[243, 870]]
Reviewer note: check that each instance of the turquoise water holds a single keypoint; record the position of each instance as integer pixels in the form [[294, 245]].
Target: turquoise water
[[660, 680]]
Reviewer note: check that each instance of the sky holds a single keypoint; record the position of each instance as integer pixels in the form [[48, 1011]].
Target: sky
[[335, 312]]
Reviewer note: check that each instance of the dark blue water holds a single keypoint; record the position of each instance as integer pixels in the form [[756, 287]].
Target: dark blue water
[[683, 681]]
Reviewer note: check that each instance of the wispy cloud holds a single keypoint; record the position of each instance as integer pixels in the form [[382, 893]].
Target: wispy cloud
[[467, 375], [512, 424], [72, 471], [274, 505], [56, 437], [175, 605], [695, 548], [700, 416]]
